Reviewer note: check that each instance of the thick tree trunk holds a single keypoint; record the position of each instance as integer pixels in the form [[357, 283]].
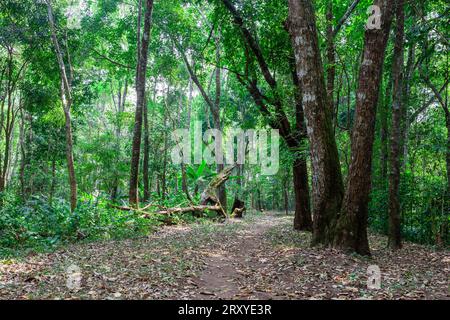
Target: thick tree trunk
[[302, 219], [351, 229], [394, 235], [140, 104], [327, 180]]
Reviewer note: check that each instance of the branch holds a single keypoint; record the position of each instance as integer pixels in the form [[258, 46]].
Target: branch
[[253, 44], [194, 76], [427, 104], [111, 60], [344, 18], [437, 93]]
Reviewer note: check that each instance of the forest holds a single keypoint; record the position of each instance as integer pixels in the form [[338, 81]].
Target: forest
[[116, 117]]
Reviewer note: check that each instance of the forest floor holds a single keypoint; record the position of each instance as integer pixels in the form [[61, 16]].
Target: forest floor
[[259, 257]]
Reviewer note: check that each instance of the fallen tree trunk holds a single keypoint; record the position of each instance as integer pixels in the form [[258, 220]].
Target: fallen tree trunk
[[208, 200], [135, 209], [209, 194], [169, 211], [200, 208]]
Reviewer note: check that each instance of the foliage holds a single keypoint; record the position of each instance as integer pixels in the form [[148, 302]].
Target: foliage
[[39, 224]]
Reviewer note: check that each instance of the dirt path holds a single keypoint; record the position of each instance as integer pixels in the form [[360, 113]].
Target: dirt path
[[259, 257], [223, 275]]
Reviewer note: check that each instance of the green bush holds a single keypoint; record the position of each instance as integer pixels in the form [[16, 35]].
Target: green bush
[[40, 225]]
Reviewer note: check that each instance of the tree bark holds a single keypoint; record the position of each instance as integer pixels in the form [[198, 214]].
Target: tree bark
[[165, 146], [286, 195], [394, 235], [146, 162], [447, 122], [384, 132], [351, 228], [302, 219], [221, 191], [23, 153], [140, 104], [331, 55], [327, 180]]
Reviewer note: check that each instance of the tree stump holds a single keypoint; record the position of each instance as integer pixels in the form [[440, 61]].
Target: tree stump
[[238, 208]]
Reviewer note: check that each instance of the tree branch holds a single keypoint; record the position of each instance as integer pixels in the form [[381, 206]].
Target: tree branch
[[344, 18]]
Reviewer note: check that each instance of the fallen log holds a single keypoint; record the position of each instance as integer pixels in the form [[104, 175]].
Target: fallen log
[[200, 208], [123, 208], [209, 194], [208, 200]]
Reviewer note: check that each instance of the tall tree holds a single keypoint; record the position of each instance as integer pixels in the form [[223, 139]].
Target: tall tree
[[327, 182], [394, 239], [140, 103], [351, 229], [277, 119], [66, 98], [221, 191]]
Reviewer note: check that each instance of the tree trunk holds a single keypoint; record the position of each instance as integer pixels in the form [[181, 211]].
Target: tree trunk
[[447, 122], [327, 180], [384, 133], [351, 229], [394, 235], [286, 196], [221, 191], [278, 120], [302, 218], [23, 154], [70, 162], [145, 164], [140, 104], [66, 98], [331, 55]]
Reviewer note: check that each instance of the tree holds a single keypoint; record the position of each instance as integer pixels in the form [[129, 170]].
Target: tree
[[66, 99], [351, 229], [140, 103], [344, 227], [394, 176], [327, 183], [278, 118]]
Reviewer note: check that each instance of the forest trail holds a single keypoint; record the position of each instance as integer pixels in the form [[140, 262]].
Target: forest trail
[[224, 272], [258, 257]]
